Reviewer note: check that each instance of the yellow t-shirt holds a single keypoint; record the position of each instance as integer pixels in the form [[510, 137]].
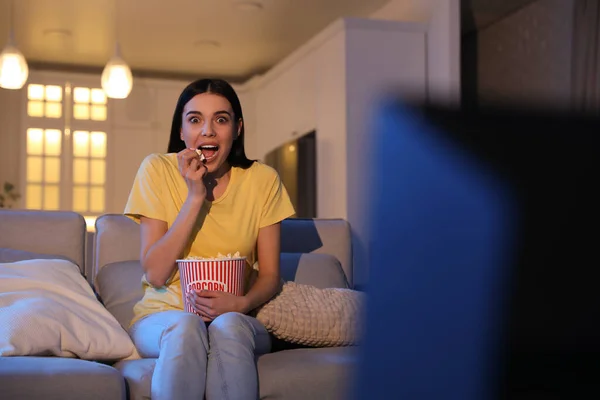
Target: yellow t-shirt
[[254, 198]]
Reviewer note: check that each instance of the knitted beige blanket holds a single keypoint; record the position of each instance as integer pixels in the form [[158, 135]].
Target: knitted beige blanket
[[315, 317]]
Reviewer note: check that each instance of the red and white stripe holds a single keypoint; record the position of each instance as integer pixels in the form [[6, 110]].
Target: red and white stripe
[[228, 272]]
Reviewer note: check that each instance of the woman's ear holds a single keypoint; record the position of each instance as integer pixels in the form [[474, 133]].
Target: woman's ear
[[239, 129], [181, 135]]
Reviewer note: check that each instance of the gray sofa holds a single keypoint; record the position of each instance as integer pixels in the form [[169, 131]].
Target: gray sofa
[[316, 252]]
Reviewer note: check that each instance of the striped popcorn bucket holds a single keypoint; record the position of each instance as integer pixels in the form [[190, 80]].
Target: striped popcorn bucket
[[225, 275]]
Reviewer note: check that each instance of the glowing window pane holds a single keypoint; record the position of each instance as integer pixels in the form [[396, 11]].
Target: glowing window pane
[[35, 92], [51, 197], [34, 141], [53, 93], [52, 170], [80, 171], [53, 110], [35, 109], [90, 221], [98, 144], [98, 172], [52, 142], [81, 95], [80, 198], [97, 199], [98, 96], [34, 169], [98, 113], [81, 143], [81, 111], [34, 197]]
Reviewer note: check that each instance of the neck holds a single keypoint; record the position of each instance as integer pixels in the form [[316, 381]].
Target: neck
[[222, 173]]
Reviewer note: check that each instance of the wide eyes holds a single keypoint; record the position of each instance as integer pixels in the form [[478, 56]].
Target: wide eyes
[[220, 120]]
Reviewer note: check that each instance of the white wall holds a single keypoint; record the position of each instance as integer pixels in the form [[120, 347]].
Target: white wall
[[140, 125], [307, 91], [443, 42], [398, 61], [10, 110], [247, 96], [331, 125]]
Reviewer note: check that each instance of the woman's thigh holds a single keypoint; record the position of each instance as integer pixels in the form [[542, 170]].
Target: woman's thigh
[[148, 333]]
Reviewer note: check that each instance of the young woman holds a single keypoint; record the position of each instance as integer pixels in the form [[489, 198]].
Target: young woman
[[187, 207]]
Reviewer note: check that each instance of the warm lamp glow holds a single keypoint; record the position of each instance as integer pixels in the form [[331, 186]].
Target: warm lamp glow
[[13, 68], [117, 80]]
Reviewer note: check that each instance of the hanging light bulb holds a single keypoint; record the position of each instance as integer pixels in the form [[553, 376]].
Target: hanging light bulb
[[13, 67], [117, 80]]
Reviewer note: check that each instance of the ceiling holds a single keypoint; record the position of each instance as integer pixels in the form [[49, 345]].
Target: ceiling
[[477, 14], [228, 38]]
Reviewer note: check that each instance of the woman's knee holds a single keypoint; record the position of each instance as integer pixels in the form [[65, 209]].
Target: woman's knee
[[186, 327], [231, 325]]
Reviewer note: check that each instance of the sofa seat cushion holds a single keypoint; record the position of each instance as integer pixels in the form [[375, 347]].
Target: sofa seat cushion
[[323, 373], [138, 376], [54, 378]]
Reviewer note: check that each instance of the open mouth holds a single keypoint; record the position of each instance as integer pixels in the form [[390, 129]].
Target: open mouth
[[209, 152]]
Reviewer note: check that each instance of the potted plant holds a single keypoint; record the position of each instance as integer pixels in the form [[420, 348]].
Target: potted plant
[[8, 196]]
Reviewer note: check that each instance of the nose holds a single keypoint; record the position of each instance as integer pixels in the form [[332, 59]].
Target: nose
[[207, 130]]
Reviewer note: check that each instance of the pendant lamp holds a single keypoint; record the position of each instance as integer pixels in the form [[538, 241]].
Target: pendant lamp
[[13, 67], [117, 80]]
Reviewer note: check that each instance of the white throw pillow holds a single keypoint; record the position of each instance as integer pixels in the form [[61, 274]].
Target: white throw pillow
[[48, 308], [312, 316]]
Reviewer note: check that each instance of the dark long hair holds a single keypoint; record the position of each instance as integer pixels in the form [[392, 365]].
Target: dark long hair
[[237, 155]]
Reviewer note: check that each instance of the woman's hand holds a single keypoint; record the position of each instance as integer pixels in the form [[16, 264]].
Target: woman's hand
[[210, 304], [193, 171]]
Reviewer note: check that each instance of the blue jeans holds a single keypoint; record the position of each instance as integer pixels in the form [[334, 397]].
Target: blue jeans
[[194, 360]]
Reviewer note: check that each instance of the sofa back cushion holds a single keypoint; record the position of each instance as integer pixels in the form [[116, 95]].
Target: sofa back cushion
[[119, 286], [118, 239], [319, 270], [13, 255], [55, 233]]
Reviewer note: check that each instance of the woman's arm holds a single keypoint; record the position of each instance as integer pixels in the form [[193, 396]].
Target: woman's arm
[[267, 283], [161, 246]]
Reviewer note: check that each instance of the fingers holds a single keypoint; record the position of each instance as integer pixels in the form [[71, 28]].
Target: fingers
[[196, 170], [201, 305], [185, 158]]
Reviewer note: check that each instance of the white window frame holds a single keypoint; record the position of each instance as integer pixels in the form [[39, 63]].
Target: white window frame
[[67, 125]]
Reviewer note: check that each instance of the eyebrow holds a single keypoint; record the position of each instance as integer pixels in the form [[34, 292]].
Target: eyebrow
[[199, 113]]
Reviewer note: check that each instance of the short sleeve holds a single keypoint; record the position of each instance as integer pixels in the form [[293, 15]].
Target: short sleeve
[[278, 205], [145, 197]]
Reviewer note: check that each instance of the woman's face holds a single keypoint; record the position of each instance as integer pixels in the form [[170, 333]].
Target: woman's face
[[208, 124]]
